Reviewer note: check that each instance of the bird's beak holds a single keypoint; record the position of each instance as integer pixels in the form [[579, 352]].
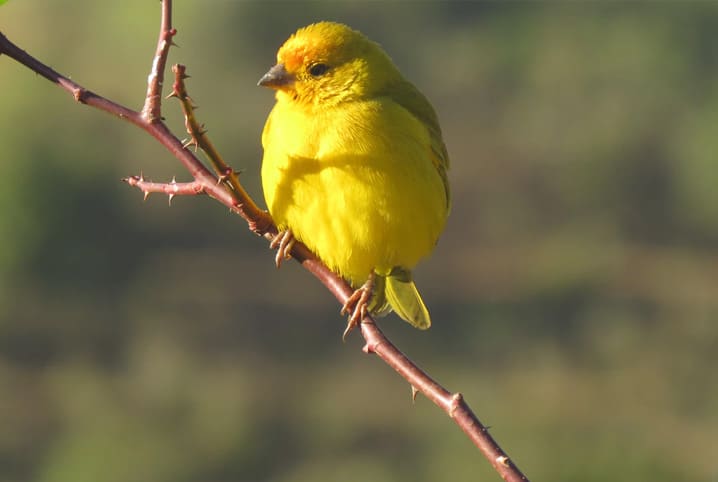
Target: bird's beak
[[276, 77]]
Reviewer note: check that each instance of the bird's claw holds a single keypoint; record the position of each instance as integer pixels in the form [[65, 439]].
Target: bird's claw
[[358, 305], [283, 242]]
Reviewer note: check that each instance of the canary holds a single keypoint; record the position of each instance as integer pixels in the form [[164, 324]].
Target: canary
[[354, 166]]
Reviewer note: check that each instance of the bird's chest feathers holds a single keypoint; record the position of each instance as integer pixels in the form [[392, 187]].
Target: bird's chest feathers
[[321, 156], [321, 134]]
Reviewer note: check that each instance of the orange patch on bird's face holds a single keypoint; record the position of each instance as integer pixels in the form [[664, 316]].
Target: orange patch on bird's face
[[293, 60], [298, 52]]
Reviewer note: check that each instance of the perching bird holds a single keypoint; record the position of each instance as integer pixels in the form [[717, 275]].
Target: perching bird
[[354, 167]]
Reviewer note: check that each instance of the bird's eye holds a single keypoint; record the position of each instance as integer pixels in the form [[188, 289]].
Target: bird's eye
[[318, 70]]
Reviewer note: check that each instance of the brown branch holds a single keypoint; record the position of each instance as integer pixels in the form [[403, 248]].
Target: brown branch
[[150, 121], [79, 93], [172, 188], [151, 111], [199, 138], [452, 403]]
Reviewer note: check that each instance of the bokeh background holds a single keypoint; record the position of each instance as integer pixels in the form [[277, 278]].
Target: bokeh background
[[574, 292]]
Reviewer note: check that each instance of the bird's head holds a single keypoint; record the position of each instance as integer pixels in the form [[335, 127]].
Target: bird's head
[[327, 63]]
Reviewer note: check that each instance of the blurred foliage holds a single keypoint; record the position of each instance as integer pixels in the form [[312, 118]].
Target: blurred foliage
[[574, 292]]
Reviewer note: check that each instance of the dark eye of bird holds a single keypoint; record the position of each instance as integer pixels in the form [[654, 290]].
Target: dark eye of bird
[[317, 70]]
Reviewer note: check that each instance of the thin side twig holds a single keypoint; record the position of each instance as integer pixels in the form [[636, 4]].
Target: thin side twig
[[152, 108], [172, 188], [199, 138], [150, 121]]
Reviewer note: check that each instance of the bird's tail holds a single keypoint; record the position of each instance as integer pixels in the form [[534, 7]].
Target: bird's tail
[[403, 297]]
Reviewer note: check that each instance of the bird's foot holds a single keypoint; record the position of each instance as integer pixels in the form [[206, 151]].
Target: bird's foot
[[358, 305], [283, 242]]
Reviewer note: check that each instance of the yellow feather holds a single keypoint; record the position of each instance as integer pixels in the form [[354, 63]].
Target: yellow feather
[[354, 163]]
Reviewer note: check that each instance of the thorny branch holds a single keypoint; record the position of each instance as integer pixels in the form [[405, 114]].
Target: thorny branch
[[224, 186], [198, 135], [172, 188]]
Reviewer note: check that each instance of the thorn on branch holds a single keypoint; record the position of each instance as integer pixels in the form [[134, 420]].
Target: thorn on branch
[[414, 393], [503, 460], [370, 348], [80, 94], [456, 400], [169, 36], [225, 174], [190, 142]]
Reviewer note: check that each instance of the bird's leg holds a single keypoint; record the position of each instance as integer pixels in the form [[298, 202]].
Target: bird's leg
[[283, 242], [357, 304]]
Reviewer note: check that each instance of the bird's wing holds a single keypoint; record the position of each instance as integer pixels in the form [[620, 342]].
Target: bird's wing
[[409, 97]]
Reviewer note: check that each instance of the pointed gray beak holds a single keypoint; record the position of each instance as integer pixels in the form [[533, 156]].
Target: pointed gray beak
[[276, 77]]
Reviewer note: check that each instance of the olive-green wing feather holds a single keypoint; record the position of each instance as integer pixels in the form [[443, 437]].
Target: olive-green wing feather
[[405, 300], [409, 97]]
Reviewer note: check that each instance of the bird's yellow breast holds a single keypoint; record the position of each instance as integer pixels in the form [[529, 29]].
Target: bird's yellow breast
[[355, 182]]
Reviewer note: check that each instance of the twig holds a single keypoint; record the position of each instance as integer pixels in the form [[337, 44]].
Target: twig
[[172, 188], [199, 138], [150, 120], [151, 111]]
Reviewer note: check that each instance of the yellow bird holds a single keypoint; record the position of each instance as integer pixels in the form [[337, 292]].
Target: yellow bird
[[354, 167]]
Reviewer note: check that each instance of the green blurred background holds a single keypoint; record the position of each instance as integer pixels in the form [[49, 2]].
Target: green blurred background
[[574, 292]]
